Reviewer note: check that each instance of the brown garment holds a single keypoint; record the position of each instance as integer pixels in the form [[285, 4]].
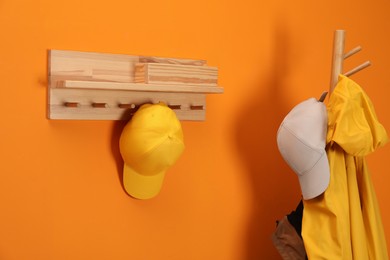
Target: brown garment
[[287, 241]]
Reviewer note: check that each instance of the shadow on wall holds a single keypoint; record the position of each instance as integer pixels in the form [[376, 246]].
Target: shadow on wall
[[116, 134], [273, 188]]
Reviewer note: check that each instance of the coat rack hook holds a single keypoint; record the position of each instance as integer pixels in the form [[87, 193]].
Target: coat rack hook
[[358, 68], [352, 52]]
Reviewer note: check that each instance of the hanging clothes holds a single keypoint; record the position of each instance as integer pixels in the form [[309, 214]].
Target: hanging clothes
[[345, 222], [287, 237]]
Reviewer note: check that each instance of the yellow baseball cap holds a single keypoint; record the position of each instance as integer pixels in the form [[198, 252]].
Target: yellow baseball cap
[[150, 143]]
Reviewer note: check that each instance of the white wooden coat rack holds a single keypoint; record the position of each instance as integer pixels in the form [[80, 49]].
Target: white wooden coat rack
[[339, 56], [99, 86]]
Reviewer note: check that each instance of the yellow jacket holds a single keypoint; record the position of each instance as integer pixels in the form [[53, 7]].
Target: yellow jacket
[[345, 222]]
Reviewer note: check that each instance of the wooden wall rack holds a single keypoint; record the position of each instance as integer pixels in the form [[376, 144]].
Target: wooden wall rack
[[100, 86]]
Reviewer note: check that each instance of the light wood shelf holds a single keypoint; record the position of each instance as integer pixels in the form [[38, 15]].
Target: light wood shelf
[[100, 86]]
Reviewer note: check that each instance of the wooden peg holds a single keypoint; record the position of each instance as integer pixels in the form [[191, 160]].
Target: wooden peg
[[174, 106], [358, 68], [323, 96], [71, 104], [99, 105], [352, 52], [127, 106], [196, 107]]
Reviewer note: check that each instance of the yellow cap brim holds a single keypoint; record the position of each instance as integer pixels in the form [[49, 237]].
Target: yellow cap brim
[[141, 186]]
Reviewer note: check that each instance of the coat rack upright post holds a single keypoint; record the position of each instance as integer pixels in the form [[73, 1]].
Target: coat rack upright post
[[338, 58]]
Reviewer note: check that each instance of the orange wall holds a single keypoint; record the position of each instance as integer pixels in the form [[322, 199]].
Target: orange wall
[[60, 189]]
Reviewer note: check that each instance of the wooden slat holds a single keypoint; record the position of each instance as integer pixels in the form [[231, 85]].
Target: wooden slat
[[90, 65], [150, 59], [139, 87], [154, 73]]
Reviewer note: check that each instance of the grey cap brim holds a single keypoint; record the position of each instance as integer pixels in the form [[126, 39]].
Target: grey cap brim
[[314, 182]]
